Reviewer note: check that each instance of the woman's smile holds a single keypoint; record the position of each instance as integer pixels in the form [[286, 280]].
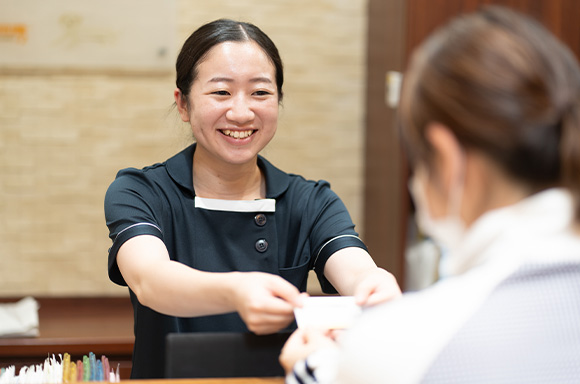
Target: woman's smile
[[237, 134]]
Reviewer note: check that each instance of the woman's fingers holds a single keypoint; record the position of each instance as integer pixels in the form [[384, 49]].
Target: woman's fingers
[[266, 302]]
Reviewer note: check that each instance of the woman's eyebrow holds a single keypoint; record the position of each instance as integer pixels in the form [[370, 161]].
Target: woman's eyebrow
[[261, 79], [220, 79]]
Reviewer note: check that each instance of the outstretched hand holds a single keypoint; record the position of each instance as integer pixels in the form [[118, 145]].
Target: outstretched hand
[[353, 272], [376, 286], [266, 302]]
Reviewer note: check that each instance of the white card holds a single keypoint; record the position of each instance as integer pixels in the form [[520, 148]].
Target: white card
[[327, 312]]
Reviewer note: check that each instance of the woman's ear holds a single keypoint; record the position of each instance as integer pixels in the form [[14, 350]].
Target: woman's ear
[[181, 103], [449, 156]]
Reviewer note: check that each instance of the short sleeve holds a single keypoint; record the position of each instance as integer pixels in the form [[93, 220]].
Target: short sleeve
[[332, 231], [130, 210]]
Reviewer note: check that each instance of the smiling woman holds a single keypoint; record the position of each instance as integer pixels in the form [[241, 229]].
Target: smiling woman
[[216, 238], [233, 111]]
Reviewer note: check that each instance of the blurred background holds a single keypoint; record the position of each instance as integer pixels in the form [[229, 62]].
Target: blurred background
[[86, 88], [68, 124]]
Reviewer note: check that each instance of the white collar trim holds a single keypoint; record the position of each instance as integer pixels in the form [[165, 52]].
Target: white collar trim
[[260, 205]]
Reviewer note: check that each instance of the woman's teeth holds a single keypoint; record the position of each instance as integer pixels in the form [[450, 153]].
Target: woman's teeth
[[237, 134]]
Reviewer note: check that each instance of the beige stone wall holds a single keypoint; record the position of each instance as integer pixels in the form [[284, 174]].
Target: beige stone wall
[[63, 138]]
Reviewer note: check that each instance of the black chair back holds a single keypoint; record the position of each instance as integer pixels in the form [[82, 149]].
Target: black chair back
[[228, 354]]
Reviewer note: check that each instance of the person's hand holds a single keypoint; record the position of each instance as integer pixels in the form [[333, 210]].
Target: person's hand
[[353, 272], [376, 286], [302, 343], [266, 302]]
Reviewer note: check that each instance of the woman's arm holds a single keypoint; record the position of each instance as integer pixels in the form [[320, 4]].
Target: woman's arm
[[353, 272], [264, 301]]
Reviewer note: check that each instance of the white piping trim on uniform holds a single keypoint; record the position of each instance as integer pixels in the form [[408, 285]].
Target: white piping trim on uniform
[[329, 241], [259, 205], [137, 224]]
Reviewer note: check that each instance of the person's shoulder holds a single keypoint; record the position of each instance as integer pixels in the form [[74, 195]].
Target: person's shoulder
[[292, 178], [158, 169], [301, 180], [147, 171], [280, 182], [137, 179], [315, 190], [136, 176]]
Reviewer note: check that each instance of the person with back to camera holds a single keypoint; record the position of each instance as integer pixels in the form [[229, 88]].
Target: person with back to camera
[[216, 238], [490, 120]]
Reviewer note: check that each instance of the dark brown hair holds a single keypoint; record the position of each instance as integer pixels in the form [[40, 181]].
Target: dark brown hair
[[503, 85], [219, 31]]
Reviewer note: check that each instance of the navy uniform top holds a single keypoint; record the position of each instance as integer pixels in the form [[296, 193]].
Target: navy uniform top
[[295, 229]]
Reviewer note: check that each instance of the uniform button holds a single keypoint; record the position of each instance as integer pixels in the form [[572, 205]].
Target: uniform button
[[260, 219], [261, 245]]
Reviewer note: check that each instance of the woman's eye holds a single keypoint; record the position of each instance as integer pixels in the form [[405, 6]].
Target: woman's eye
[[262, 93], [221, 93]]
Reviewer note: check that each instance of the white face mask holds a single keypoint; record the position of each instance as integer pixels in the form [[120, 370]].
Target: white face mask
[[448, 231]]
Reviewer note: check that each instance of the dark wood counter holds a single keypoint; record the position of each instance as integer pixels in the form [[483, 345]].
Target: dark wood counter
[[76, 326]]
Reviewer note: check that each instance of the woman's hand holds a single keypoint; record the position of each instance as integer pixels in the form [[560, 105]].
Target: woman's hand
[[353, 272], [265, 302], [302, 343], [376, 286]]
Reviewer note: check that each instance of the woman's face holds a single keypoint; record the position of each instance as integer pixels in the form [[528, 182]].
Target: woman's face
[[233, 103]]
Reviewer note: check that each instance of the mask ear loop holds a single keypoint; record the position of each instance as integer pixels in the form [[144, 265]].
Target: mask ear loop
[[456, 190], [449, 264], [419, 199]]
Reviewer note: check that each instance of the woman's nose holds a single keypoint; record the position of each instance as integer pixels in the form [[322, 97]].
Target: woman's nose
[[240, 111]]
